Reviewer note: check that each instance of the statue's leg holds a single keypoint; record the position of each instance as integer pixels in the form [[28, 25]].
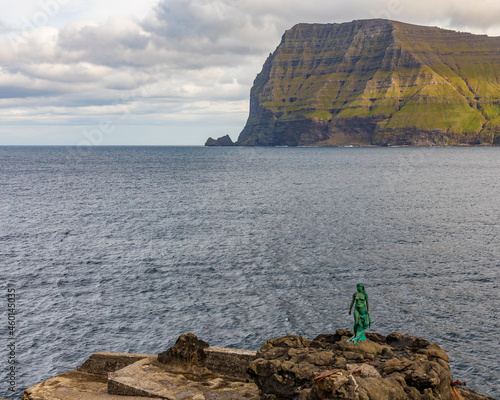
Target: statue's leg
[[361, 335], [355, 328], [364, 323]]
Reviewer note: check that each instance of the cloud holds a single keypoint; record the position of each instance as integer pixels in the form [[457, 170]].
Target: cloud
[[7, 92], [117, 42], [183, 60]]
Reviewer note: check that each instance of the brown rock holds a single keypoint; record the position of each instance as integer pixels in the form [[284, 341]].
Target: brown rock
[[371, 389], [187, 351], [434, 351], [363, 370], [288, 341], [396, 365], [365, 347], [322, 358], [293, 368], [337, 386], [467, 394]]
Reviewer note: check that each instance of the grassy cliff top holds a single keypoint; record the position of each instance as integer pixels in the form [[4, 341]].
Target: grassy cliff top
[[402, 75]]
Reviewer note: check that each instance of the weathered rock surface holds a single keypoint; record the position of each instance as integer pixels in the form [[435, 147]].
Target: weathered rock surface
[[467, 394], [291, 367], [393, 367], [188, 353], [376, 82], [222, 141]]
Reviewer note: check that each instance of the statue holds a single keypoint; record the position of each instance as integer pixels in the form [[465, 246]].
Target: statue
[[361, 314]]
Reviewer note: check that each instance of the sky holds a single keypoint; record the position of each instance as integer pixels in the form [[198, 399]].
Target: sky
[[164, 72]]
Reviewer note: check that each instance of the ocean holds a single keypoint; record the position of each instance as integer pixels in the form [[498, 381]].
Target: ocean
[[123, 249]]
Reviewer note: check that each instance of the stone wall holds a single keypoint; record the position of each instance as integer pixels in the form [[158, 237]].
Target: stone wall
[[102, 363], [229, 362]]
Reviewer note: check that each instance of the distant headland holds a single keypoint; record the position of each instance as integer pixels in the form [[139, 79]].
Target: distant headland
[[396, 366], [375, 83]]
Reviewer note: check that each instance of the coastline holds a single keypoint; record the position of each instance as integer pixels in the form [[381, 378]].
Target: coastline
[[290, 367]]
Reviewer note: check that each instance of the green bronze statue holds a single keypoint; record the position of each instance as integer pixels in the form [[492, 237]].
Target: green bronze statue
[[361, 314]]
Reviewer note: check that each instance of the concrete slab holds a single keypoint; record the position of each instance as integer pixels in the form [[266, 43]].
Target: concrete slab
[[74, 385], [229, 362], [149, 378], [104, 362]]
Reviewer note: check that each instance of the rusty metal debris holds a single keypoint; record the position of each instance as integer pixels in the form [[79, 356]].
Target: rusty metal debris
[[326, 375], [454, 392]]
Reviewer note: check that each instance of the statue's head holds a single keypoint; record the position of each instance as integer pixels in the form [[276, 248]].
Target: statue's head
[[361, 287]]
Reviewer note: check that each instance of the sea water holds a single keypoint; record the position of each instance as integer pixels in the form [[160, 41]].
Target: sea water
[[123, 249]]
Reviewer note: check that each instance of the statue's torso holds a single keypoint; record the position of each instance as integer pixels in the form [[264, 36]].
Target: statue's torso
[[360, 301], [359, 297]]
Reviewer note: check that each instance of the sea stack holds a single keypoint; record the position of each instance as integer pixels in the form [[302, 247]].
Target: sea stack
[[376, 82], [222, 141]]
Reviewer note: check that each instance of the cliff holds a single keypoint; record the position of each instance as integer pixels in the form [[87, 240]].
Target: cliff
[[397, 366], [376, 82]]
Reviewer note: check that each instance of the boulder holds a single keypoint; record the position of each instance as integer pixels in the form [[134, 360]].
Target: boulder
[[188, 353], [394, 367]]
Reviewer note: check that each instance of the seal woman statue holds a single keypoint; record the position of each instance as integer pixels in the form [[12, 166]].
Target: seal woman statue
[[361, 314]]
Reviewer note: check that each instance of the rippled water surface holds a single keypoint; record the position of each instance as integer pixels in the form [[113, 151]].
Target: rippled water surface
[[124, 248]]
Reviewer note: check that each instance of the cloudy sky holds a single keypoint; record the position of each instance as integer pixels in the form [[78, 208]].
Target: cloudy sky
[[164, 72]]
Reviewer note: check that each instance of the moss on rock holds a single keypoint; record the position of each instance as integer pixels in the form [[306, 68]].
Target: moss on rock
[[414, 85]]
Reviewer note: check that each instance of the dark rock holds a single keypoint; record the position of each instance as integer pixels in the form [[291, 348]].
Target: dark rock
[[375, 337], [401, 341], [394, 367], [188, 350], [222, 141], [288, 341]]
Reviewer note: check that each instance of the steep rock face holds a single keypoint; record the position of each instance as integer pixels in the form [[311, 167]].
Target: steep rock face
[[376, 82]]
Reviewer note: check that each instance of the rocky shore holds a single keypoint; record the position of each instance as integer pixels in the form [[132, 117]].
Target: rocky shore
[[291, 367]]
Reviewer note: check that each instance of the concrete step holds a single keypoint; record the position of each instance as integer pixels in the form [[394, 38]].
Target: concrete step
[[148, 378]]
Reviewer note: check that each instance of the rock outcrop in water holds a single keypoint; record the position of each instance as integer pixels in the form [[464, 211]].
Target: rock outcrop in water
[[222, 141], [396, 367], [376, 82]]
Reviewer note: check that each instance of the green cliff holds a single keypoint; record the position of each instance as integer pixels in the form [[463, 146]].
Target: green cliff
[[376, 82]]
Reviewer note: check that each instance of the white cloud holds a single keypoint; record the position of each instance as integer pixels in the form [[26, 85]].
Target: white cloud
[[171, 62]]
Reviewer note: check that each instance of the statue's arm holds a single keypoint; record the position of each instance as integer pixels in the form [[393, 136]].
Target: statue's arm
[[367, 305], [352, 303]]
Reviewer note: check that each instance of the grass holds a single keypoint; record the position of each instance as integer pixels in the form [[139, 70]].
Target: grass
[[410, 76]]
